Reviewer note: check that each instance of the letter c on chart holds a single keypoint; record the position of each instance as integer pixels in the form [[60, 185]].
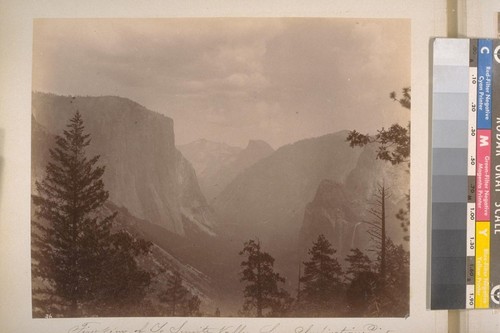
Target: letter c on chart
[[485, 49], [495, 54]]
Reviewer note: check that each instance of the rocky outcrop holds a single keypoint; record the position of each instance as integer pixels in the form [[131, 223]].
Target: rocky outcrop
[[193, 204], [329, 214]]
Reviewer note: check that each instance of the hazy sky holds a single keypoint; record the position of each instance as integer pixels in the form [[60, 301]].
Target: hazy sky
[[231, 80]]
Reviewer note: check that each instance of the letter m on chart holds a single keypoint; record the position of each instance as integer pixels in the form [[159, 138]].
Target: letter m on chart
[[484, 141]]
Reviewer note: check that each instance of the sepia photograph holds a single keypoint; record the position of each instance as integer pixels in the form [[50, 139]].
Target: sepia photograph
[[220, 167]]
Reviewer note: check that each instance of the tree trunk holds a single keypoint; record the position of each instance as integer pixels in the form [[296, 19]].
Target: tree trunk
[[383, 240], [259, 290]]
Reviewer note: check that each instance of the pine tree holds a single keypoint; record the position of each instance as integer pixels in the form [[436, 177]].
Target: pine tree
[[85, 268], [262, 291], [378, 228], [391, 298], [359, 263], [322, 286], [393, 145], [180, 301], [193, 307], [362, 283], [175, 295], [399, 277], [385, 290]]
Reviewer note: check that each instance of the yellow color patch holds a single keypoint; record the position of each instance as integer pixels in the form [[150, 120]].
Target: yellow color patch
[[482, 265]]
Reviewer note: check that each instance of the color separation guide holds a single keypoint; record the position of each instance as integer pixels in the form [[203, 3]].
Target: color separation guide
[[450, 186], [494, 283]]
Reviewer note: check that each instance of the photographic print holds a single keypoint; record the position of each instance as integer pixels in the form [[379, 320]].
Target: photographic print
[[220, 167]]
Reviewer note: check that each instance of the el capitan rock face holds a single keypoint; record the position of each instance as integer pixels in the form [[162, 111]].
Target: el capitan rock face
[[144, 171]]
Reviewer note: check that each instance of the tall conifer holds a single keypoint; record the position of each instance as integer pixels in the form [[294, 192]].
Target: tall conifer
[[262, 290], [176, 294], [322, 286], [86, 269]]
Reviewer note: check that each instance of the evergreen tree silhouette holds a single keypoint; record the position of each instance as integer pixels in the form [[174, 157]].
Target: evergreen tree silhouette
[[86, 269], [378, 228], [176, 294], [362, 283], [359, 263], [180, 301], [262, 290], [193, 307], [391, 298], [321, 282]]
